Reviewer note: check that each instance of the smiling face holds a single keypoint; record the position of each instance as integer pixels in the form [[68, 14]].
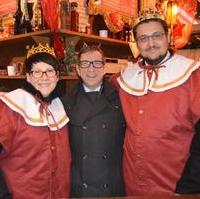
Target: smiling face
[[47, 82], [92, 76], [152, 42]]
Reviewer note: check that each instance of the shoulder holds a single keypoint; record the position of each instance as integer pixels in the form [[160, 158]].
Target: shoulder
[[72, 92], [68, 99], [113, 80], [4, 107], [10, 99], [110, 92], [109, 87]]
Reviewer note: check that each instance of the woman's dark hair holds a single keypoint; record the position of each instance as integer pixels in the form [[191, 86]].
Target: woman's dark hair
[[161, 21], [41, 57]]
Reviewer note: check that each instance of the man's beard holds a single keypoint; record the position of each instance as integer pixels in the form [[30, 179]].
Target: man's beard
[[155, 61]]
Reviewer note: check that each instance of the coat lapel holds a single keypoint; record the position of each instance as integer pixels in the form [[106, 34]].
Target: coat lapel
[[100, 104], [81, 103]]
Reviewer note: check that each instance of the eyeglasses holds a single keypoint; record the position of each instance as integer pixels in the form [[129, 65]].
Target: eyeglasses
[[95, 63], [39, 74], [157, 36]]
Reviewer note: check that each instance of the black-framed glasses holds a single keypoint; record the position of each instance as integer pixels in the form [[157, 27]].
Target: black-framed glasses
[[39, 73], [157, 36], [95, 63]]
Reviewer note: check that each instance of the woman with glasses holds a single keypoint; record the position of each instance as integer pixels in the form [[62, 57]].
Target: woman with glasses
[[96, 130], [34, 148]]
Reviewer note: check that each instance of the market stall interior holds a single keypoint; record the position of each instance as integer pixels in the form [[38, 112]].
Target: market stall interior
[[67, 25]]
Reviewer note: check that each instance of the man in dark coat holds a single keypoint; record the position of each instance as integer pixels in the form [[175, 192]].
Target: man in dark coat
[[96, 130]]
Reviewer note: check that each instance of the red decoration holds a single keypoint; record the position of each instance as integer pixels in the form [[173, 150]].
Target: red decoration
[[185, 19], [182, 34], [50, 13], [58, 46], [114, 21]]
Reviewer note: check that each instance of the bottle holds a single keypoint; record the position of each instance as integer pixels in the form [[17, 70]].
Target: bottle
[[38, 17], [1, 25], [18, 19], [88, 29], [65, 15], [74, 17], [26, 24], [198, 10], [126, 32]]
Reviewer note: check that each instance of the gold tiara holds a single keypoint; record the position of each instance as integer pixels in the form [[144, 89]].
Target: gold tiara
[[41, 48], [148, 14]]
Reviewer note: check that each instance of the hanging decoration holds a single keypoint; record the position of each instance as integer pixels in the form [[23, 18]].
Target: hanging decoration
[[114, 21], [180, 24], [50, 13], [171, 19], [185, 19], [59, 49], [58, 46]]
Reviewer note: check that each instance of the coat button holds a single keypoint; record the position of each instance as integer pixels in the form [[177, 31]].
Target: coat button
[[84, 127], [138, 156], [53, 171], [85, 185], [53, 148], [84, 156], [103, 126], [141, 111], [105, 186], [104, 156], [116, 106]]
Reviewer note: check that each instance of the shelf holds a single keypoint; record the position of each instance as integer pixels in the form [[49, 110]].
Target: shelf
[[63, 32], [93, 38], [22, 77], [83, 36], [23, 37], [112, 47]]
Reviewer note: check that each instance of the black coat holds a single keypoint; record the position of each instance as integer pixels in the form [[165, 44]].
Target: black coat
[[4, 193], [189, 183], [96, 136]]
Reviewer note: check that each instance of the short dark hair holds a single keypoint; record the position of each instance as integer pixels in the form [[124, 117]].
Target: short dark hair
[[160, 21], [41, 57], [91, 48]]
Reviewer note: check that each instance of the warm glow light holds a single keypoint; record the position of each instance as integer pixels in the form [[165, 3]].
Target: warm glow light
[[179, 15], [171, 18], [172, 10], [175, 9]]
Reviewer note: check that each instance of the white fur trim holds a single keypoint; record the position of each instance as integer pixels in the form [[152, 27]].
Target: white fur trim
[[27, 106], [178, 69]]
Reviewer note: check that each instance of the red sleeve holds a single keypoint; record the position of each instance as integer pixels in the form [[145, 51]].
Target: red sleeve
[[8, 126]]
